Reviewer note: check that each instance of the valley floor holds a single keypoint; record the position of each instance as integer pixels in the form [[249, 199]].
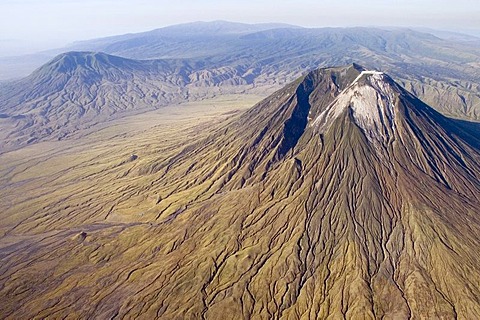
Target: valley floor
[[34, 170]]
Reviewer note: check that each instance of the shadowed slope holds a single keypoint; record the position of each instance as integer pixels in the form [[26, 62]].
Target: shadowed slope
[[340, 196]]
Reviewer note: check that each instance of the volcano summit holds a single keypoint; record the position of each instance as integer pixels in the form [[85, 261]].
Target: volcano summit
[[340, 196]]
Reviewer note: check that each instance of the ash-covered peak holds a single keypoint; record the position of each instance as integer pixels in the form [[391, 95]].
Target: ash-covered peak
[[371, 99], [366, 73]]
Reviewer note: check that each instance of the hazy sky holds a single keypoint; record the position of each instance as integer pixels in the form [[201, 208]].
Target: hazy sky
[[31, 25]]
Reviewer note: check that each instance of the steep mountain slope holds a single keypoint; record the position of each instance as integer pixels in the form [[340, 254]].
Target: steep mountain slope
[[340, 196]]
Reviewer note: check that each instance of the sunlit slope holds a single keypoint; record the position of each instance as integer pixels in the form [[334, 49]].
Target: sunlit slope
[[341, 195], [78, 90]]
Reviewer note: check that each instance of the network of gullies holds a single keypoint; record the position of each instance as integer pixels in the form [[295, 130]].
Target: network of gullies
[[341, 195]]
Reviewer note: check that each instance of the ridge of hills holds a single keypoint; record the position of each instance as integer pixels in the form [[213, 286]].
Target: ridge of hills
[[205, 59], [78, 90], [341, 195], [440, 71]]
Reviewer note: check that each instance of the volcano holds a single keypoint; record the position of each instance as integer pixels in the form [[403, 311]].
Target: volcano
[[340, 196]]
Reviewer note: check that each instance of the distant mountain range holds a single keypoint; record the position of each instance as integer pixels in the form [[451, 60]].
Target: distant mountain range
[[133, 73], [341, 195]]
